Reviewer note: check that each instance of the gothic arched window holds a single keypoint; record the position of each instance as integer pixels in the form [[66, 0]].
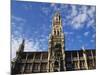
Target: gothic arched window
[[58, 45], [57, 32], [56, 63]]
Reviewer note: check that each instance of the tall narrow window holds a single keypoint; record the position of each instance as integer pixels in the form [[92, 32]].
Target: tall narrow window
[[54, 32], [57, 32], [36, 66], [82, 66], [28, 66], [43, 67]]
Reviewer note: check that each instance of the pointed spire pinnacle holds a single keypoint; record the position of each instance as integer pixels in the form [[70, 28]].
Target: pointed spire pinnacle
[[57, 17], [21, 47], [57, 24], [23, 41], [57, 13], [83, 48]]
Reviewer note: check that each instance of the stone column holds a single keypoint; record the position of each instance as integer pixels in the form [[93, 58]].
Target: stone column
[[78, 60], [85, 59], [92, 59]]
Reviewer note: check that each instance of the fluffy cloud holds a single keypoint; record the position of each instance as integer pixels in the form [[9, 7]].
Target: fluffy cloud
[[27, 7], [74, 11], [91, 23], [77, 22], [15, 42], [17, 35], [69, 33], [80, 16], [91, 12], [86, 33], [36, 44], [94, 35], [45, 10], [30, 45], [17, 25], [17, 18], [92, 41], [76, 15]]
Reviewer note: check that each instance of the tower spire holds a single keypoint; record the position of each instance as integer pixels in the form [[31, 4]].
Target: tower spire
[[56, 54], [21, 46], [56, 24]]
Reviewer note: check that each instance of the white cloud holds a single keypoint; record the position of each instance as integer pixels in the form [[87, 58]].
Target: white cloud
[[45, 10], [69, 33], [76, 16], [63, 6], [54, 7], [92, 41], [78, 20], [79, 16], [91, 23], [14, 46], [91, 11], [74, 11], [17, 18], [31, 45], [53, 4], [91, 14], [94, 35], [18, 35], [27, 7], [86, 33], [17, 24], [83, 9]]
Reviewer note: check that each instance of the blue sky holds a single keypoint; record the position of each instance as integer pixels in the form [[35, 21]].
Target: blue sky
[[33, 20]]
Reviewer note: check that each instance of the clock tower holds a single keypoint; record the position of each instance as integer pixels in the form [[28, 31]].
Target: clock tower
[[56, 54]]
